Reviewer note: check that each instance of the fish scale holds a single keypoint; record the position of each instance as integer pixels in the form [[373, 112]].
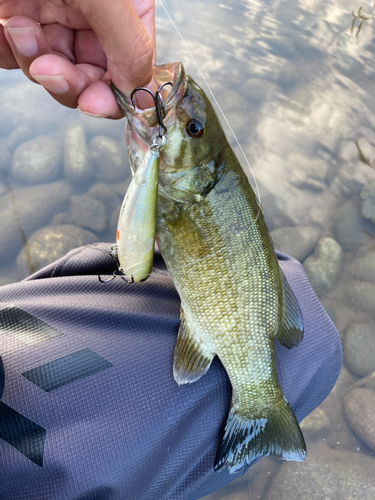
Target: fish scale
[[234, 298]]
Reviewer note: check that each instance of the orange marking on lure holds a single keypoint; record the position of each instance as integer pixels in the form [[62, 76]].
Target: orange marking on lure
[[118, 235]]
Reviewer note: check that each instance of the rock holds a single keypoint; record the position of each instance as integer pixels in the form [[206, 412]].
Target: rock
[[24, 211], [78, 166], [368, 205], [51, 243], [110, 159], [107, 194], [363, 268], [361, 296], [5, 156], [359, 410], [296, 241], [316, 424], [310, 173], [325, 475], [349, 227], [340, 437], [323, 268], [353, 179], [272, 211], [359, 349], [37, 161], [257, 90], [18, 136], [29, 104], [97, 126], [89, 213]]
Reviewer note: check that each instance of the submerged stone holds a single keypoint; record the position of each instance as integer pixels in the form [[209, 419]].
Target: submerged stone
[[88, 213], [296, 241], [323, 268], [110, 159], [361, 296], [359, 410], [368, 205], [359, 349], [37, 161], [78, 166], [49, 244], [325, 474]]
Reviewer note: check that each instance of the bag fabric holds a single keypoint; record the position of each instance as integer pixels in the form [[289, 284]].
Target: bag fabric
[[90, 409]]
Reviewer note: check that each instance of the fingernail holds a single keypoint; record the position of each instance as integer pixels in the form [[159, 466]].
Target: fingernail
[[24, 40], [91, 114], [55, 84]]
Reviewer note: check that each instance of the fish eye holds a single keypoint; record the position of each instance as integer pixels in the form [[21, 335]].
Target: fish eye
[[195, 128]]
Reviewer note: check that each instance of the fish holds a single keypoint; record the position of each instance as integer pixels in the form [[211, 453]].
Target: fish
[[135, 236], [235, 299]]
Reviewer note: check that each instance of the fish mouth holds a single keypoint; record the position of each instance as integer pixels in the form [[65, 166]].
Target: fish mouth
[[144, 122]]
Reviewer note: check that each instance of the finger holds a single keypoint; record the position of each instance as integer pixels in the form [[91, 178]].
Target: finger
[[98, 100], [27, 41], [7, 59], [64, 80], [129, 48]]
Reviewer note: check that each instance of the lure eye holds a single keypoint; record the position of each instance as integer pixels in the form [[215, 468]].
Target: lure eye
[[195, 128]]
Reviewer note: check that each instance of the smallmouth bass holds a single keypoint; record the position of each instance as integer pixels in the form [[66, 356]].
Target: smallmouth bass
[[235, 299]]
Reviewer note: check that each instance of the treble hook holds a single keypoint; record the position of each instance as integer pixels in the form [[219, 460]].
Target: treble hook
[[159, 106], [117, 271]]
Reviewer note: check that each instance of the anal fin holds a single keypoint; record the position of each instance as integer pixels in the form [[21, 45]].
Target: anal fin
[[191, 358], [290, 333]]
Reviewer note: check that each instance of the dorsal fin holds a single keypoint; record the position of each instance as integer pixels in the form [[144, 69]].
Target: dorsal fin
[[290, 333], [191, 358]]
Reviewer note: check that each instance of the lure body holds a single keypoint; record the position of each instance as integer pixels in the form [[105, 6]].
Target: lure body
[[137, 221]]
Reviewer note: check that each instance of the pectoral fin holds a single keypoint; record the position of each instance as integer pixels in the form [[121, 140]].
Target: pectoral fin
[[291, 331], [191, 358]]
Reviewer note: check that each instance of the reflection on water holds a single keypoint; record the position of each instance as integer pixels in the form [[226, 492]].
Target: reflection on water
[[296, 80]]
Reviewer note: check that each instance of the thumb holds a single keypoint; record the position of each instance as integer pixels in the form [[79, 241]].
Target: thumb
[[126, 31]]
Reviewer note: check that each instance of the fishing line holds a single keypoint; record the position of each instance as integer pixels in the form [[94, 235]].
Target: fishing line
[[215, 100]]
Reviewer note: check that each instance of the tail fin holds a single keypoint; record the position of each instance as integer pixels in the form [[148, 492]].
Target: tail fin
[[245, 439]]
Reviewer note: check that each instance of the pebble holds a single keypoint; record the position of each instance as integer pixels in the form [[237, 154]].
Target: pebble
[[359, 349], [78, 166], [315, 174], [5, 156], [18, 136], [37, 161], [361, 296], [49, 244], [353, 179], [88, 213], [368, 197], [97, 126], [29, 104], [256, 90], [359, 410], [325, 475], [323, 268], [108, 194], [110, 160], [296, 241], [316, 424], [363, 268], [349, 227], [24, 211]]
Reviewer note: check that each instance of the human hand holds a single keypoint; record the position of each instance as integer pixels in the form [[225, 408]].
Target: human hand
[[73, 48]]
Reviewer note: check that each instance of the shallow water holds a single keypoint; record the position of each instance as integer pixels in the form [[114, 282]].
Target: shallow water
[[296, 80]]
